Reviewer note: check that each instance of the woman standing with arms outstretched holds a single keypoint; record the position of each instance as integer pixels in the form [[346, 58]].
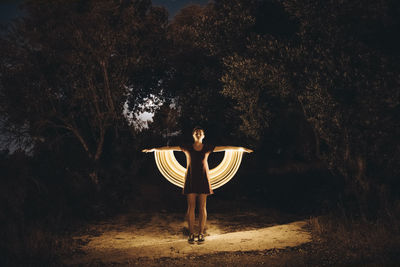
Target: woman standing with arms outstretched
[[197, 182]]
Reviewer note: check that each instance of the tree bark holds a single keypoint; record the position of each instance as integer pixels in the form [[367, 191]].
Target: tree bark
[[107, 89]]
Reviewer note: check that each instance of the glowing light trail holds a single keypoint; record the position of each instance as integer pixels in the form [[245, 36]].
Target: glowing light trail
[[174, 172]]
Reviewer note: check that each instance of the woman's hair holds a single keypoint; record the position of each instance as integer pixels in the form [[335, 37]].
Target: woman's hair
[[197, 128]]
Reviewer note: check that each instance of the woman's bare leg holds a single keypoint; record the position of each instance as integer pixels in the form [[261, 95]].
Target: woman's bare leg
[[202, 212], [191, 205]]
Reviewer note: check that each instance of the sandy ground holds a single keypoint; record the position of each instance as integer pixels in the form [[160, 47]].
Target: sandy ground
[[155, 236]]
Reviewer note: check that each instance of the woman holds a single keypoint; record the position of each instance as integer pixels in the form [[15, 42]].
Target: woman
[[197, 183]]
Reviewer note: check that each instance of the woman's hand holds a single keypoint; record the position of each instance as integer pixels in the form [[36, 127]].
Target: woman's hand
[[248, 150], [149, 150]]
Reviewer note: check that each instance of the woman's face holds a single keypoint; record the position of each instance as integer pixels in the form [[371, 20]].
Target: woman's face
[[198, 135]]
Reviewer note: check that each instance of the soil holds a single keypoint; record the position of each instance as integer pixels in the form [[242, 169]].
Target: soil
[[160, 239]]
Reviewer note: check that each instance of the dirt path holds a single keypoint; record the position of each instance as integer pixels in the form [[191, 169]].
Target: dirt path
[[155, 236]]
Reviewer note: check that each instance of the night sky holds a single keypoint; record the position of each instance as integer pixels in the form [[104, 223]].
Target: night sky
[[9, 9]]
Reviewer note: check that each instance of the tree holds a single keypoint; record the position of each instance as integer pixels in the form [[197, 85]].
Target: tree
[[165, 121], [343, 78], [194, 81], [69, 67]]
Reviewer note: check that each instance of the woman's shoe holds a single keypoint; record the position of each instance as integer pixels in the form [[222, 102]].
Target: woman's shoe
[[191, 238], [200, 239]]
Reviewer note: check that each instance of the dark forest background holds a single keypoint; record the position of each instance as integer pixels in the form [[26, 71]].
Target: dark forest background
[[311, 86]]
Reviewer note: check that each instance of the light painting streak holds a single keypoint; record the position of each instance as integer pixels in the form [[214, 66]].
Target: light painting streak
[[174, 172]]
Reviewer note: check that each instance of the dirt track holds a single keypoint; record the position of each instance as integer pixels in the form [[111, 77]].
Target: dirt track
[[155, 236]]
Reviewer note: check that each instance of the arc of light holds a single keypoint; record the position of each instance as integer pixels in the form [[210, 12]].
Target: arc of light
[[174, 172]]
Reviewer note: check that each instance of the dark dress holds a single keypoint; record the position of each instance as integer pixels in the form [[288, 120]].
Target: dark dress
[[197, 172]]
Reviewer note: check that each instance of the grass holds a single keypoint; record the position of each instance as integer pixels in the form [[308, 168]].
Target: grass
[[356, 241], [33, 245]]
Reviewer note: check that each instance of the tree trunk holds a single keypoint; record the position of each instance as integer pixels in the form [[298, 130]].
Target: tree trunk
[[94, 177]]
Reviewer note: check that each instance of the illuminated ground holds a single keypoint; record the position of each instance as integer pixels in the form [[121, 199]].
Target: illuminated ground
[[163, 235]]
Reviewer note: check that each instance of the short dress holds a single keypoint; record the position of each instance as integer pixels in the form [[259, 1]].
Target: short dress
[[197, 178]]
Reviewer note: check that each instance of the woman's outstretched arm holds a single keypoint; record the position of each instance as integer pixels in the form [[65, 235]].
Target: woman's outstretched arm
[[175, 148], [236, 148]]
